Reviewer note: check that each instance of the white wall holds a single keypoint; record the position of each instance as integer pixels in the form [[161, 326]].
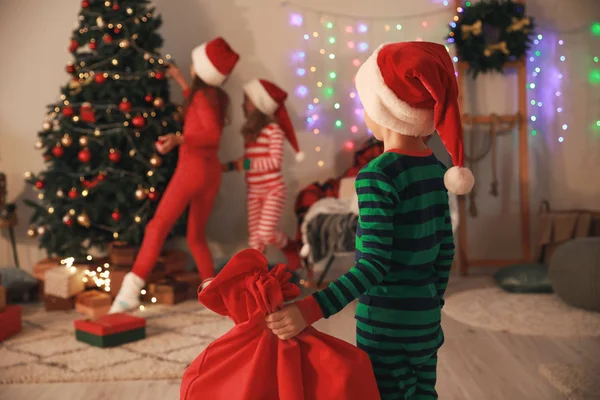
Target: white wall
[[34, 48]]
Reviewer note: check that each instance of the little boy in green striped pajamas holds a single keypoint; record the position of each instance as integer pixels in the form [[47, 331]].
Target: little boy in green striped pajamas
[[404, 241]]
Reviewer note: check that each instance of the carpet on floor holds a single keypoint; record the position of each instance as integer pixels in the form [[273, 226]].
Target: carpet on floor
[[46, 349], [525, 314], [574, 382]]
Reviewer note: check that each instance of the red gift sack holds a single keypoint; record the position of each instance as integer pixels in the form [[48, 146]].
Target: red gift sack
[[250, 363]]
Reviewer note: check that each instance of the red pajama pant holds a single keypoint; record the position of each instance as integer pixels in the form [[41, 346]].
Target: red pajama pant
[[265, 206], [196, 183]]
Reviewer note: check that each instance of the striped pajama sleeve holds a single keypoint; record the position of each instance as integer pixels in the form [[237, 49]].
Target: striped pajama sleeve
[[445, 258], [377, 201]]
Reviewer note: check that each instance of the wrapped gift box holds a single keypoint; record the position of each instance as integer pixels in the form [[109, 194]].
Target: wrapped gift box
[[40, 268], [121, 253], [166, 292], [2, 298], [175, 261], [64, 282], [53, 303], [193, 280], [10, 322], [110, 330], [93, 303]]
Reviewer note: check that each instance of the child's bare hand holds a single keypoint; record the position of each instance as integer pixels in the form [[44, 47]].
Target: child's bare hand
[[167, 143], [286, 323]]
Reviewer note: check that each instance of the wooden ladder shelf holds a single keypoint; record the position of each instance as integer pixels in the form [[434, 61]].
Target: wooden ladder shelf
[[521, 120]]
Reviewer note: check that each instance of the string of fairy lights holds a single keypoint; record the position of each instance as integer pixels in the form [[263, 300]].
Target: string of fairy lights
[[332, 53], [100, 276], [325, 77]]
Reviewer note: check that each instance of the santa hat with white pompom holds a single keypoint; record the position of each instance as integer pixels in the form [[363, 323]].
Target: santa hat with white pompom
[[411, 88], [269, 99]]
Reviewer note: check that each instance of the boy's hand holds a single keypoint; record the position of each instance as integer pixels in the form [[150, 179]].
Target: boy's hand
[[286, 323]]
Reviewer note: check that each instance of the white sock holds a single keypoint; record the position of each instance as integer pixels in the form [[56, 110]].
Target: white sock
[[128, 298]]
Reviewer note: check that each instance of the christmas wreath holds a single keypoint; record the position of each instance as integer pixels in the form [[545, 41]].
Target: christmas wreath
[[490, 33]]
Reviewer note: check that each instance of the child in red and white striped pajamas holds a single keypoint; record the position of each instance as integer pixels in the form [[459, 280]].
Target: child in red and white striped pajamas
[[267, 126]]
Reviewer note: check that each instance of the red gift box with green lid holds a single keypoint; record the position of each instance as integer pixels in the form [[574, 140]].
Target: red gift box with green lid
[[110, 330]]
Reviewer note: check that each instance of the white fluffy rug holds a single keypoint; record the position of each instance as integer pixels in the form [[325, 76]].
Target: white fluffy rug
[[46, 349], [574, 382], [525, 314]]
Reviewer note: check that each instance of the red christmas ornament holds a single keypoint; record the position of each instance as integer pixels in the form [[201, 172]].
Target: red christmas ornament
[[86, 112], [159, 75], [99, 78], [117, 31], [72, 194], [116, 7], [58, 151], [68, 222], [93, 45], [114, 155], [116, 216], [101, 177], [85, 155], [153, 196], [138, 121], [148, 98], [40, 184], [73, 46], [70, 68], [67, 111], [86, 184], [107, 38], [125, 106], [85, 4]]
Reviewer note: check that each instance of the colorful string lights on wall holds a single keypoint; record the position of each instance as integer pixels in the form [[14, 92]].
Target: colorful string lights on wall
[[546, 85], [333, 47]]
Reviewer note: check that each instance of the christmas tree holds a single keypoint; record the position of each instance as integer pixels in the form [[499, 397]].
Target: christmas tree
[[104, 177]]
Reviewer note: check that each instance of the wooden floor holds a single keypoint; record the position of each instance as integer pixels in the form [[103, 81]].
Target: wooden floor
[[474, 365]]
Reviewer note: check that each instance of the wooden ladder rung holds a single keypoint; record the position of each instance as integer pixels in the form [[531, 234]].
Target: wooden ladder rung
[[488, 119]]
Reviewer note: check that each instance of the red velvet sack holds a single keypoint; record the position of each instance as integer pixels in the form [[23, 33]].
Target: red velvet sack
[[250, 363]]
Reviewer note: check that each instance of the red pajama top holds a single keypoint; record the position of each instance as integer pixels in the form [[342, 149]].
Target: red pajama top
[[202, 125]]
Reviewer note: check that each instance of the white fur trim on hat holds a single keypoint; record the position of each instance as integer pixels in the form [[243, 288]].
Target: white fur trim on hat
[[459, 180], [384, 107], [260, 97], [204, 67], [300, 156]]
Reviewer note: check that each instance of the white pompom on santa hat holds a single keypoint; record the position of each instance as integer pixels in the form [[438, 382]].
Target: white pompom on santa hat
[[214, 61], [411, 88], [269, 99]]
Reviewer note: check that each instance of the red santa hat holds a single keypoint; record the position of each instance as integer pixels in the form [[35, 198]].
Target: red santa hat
[[410, 88], [214, 61], [270, 100]]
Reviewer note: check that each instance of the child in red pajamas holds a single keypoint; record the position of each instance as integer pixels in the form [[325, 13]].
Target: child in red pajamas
[[266, 127], [197, 176]]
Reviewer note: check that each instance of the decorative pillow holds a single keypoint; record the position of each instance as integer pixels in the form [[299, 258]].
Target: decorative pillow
[[524, 278]]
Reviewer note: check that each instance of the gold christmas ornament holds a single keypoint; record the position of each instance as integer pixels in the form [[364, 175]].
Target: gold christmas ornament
[[155, 161], [41, 230], [84, 220], [60, 193], [66, 140], [158, 102], [46, 126], [31, 232], [39, 144], [83, 141], [140, 194]]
